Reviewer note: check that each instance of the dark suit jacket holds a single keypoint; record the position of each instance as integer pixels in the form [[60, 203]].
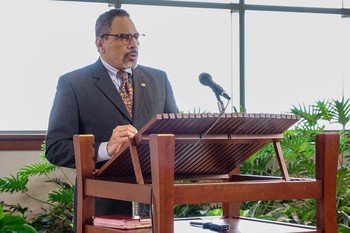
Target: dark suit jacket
[[87, 102]]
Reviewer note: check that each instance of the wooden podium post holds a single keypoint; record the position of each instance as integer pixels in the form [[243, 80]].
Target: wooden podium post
[[172, 146], [84, 152], [163, 181], [327, 152]]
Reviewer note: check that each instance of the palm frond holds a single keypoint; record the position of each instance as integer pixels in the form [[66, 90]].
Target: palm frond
[[296, 144], [60, 183], [341, 111], [17, 208], [344, 143], [41, 168], [13, 184], [345, 219], [64, 196], [260, 165], [343, 180], [324, 107], [309, 116]]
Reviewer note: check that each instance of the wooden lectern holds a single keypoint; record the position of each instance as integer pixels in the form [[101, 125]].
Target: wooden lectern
[[204, 147]]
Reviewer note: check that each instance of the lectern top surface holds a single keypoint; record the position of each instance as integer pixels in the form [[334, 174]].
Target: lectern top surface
[[233, 123], [205, 144]]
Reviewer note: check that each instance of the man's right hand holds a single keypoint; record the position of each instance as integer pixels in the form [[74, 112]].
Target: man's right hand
[[120, 135]]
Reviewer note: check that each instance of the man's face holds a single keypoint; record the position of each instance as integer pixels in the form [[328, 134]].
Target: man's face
[[113, 51]]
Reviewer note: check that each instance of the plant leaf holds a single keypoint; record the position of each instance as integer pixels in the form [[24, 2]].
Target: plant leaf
[[64, 196], [18, 229], [341, 111], [13, 184], [11, 220], [41, 168]]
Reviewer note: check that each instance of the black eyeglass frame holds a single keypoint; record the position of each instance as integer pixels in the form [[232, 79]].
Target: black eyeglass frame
[[125, 38]]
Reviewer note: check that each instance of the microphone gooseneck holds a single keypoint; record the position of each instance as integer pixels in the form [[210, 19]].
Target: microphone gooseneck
[[206, 80]]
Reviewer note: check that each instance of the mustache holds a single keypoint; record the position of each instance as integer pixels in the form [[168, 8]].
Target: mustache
[[134, 51]]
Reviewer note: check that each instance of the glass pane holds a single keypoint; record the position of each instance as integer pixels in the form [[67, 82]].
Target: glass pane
[[346, 3], [303, 3], [295, 59], [185, 42], [46, 39], [211, 1], [40, 41]]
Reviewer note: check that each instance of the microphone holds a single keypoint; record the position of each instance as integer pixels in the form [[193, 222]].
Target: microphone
[[206, 80]]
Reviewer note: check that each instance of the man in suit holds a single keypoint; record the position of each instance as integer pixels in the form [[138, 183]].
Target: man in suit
[[88, 100]]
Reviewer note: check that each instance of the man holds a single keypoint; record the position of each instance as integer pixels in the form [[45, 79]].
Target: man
[[90, 100]]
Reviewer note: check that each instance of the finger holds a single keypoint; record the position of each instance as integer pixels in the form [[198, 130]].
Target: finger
[[125, 130], [129, 128]]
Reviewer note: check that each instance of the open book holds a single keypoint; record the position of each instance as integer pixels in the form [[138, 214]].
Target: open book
[[121, 221]]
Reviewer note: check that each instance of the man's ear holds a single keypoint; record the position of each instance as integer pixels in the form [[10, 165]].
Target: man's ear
[[99, 44]]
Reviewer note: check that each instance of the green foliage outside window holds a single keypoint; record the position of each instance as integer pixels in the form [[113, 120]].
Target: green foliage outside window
[[298, 147]]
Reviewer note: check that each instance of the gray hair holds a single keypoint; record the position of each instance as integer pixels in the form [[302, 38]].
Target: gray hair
[[104, 21]]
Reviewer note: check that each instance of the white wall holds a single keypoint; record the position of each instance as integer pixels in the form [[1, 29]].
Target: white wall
[[12, 161]]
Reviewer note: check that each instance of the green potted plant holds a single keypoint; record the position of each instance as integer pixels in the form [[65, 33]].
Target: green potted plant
[[58, 216], [12, 223]]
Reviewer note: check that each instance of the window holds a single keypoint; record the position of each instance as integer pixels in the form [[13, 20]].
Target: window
[[304, 3], [40, 40], [46, 39], [295, 59], [186, 42], [291, 58]]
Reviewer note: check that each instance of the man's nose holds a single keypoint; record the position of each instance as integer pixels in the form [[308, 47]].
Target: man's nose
[[133, 43]]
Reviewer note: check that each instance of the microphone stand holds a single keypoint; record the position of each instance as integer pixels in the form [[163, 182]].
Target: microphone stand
[[220, 104], [222, 111]]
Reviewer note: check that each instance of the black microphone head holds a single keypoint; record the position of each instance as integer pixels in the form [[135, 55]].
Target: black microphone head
[[205, 79]]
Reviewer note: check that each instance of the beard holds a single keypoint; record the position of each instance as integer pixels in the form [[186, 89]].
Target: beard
[[130, 59]]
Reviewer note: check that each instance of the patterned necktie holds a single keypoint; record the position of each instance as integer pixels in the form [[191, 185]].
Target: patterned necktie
[[126, 91]]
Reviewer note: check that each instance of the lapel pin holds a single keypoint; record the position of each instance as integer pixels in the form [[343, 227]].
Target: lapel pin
[[143, 84]]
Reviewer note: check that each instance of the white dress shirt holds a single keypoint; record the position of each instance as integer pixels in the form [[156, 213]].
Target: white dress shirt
[[102, 153]]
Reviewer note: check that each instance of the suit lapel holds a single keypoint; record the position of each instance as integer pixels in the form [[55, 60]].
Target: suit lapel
[[106, 85], [140, 86]]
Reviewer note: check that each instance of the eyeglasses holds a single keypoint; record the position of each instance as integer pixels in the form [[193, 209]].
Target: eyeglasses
[[125, 38]]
